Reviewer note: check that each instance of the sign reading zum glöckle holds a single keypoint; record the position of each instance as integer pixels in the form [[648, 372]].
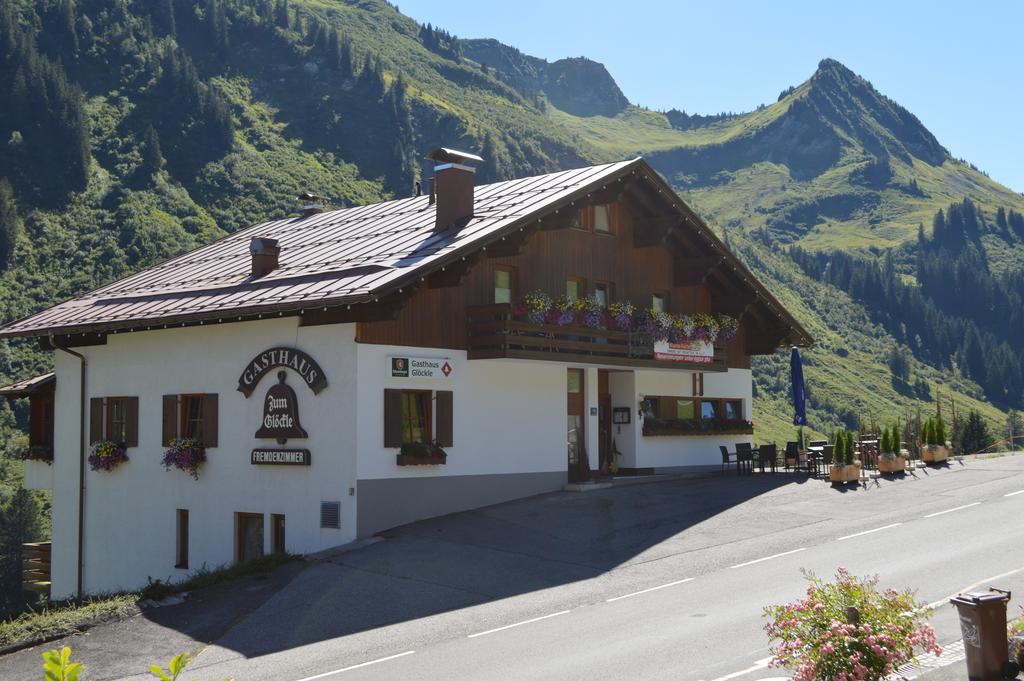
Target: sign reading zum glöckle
[[281, 413], [296, 360]]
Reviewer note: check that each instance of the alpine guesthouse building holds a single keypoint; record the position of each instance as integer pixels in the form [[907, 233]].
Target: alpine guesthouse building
[[310, 381]]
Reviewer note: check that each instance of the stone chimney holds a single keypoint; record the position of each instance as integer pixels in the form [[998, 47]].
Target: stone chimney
[[453, 184], [265, 253]]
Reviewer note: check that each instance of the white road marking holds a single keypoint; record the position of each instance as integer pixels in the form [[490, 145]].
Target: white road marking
[[519, 624], [861, 534], [653, 588], [359, 666], [980, 582], [757, 666], [761, 560], [950, 510], [1013, 494]]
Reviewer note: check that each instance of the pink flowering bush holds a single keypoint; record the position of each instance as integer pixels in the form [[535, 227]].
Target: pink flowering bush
[[848, 630]]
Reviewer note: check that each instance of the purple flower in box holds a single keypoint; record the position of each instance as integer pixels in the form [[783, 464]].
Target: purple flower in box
[[106, 455], [185, 454]]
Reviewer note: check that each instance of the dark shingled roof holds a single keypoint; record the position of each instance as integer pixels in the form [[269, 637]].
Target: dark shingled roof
[[29, 386], [346, 256]]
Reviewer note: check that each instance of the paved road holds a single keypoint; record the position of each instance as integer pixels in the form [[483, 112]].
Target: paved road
[[656, 581]]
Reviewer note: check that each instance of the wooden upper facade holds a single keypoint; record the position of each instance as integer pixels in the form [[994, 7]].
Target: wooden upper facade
[[406, 279]]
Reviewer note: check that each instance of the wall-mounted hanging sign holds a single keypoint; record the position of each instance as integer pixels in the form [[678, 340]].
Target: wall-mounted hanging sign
[[281, 413], [421, 367], [685, 351], [296, 360], [621, 414], [280, 457]]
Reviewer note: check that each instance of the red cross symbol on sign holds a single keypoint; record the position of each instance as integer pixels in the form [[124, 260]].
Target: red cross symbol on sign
[[446, 369]]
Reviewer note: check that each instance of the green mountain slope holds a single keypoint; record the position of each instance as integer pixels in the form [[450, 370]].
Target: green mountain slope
[[174, 121]]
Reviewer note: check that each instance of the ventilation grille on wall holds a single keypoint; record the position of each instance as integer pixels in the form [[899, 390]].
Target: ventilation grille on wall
[[330, 514]]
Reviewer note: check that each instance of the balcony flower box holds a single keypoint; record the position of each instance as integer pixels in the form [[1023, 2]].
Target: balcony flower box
[[670, 427], [934, 453], [421, 454], [43, 453]]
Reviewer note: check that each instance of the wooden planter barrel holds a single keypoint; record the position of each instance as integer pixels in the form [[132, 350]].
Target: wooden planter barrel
[[897, 465], [846, 473], [934, 453]]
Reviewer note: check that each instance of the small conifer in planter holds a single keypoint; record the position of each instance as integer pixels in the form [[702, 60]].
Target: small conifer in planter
[[837, 472], [933, 448]]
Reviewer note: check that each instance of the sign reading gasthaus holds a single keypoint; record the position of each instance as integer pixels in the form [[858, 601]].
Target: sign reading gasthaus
[[421, 367]]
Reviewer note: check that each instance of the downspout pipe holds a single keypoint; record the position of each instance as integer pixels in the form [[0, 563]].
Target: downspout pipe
[[81, 461]]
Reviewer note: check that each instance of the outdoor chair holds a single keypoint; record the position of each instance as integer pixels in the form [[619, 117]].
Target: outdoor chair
[[826, 458], [728, 458], [767, 454], [792, 454], [744, 457]]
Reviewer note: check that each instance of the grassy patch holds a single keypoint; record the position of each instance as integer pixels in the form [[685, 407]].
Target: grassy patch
[[204, 577], [59, 619]]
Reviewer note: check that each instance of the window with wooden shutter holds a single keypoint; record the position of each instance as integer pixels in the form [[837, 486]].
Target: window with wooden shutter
[[95, 420], [392, 418], [181, 545], [170, 420], [210, 419], [444, 414], [132, 427]]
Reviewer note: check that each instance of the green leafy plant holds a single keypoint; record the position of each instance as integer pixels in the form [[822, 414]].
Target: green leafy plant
[[174, 669], [57, 666], [849, 450], [848, 629]]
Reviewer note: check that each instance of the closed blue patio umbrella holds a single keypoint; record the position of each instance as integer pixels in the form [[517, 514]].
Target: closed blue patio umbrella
[[796, 371]]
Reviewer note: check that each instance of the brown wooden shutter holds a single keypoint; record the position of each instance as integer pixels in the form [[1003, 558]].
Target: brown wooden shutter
[[210, 419], [443, 413], [132, 427], [392, 417], [95, 420], [170, 427]]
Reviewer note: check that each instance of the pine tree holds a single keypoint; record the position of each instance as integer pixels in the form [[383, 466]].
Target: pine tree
[[10, 222], [152, 159], [20, 522], [345, 59]]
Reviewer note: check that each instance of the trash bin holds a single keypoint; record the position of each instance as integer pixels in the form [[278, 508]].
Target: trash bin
[[983, 624]]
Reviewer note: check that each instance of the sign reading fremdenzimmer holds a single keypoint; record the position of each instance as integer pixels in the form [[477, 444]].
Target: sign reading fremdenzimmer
[[421, 367]]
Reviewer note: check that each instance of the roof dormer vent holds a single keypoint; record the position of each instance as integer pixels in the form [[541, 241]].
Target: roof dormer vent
[[265, 255], [311, 204]]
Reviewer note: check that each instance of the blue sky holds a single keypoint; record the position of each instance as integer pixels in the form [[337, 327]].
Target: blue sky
[[958, 66]]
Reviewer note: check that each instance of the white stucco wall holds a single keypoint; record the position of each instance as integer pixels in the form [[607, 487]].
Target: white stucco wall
[[668, 452], [509, 415], [130, 512], [509, 418]]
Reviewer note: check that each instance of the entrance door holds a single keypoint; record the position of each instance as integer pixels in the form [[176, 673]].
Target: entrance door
[[604, 423], [579, 469]]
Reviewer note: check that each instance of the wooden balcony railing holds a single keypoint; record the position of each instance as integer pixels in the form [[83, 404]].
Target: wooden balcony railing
[[35, 567], [492, 333]]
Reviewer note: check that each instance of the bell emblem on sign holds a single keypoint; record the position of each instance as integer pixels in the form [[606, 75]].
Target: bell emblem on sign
[[281, 413]]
